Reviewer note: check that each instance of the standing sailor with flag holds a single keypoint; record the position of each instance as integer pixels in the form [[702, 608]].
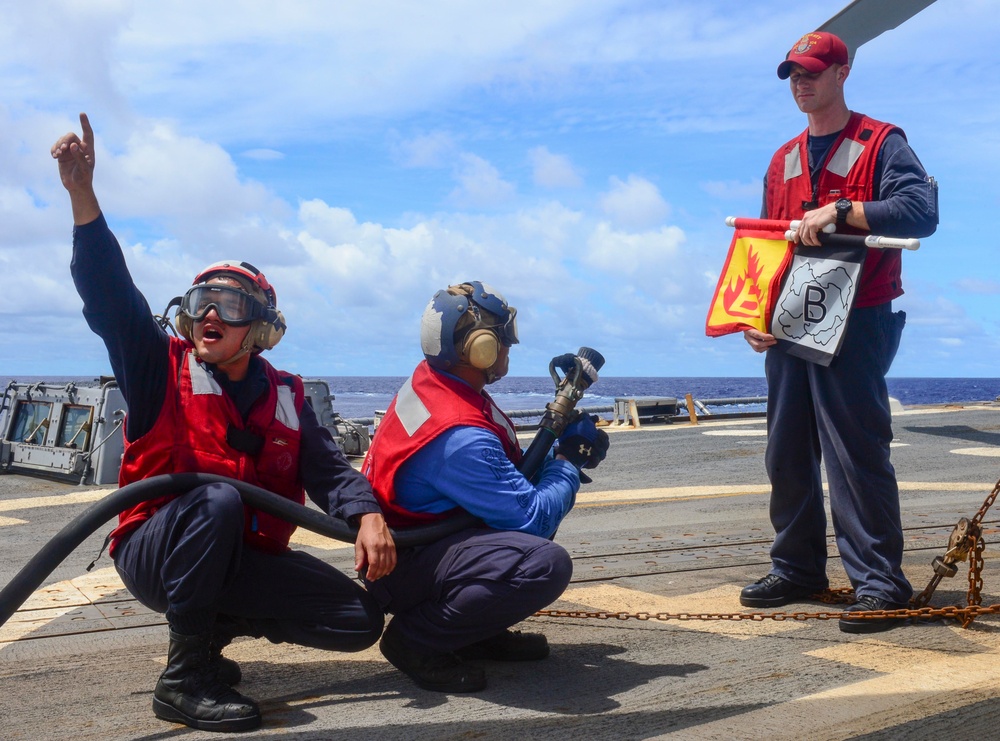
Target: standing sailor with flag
[[861, 175]]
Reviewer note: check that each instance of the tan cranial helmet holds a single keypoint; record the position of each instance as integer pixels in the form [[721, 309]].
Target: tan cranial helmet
[[466, 324]]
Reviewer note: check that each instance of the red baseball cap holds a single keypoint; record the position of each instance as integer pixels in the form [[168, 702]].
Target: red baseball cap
[[814, 52]]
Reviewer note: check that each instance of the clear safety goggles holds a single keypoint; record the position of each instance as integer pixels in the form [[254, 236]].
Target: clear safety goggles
[[507, 332], [233, 305]]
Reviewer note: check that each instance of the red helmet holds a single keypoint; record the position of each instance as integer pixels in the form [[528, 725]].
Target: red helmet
[[240, 269]]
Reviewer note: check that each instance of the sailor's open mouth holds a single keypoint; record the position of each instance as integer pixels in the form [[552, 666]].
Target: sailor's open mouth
[[212, 334]]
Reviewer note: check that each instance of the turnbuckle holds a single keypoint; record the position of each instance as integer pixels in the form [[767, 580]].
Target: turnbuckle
[[961, 541]]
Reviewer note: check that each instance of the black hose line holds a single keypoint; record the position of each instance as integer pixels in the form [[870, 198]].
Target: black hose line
[[31, 577], [53, 553], [536, 453]]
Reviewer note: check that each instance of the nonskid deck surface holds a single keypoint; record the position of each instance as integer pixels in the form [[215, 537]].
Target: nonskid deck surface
[[675, 522]]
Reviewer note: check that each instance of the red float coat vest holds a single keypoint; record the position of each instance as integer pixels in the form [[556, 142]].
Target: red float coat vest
[[189, 436], [849, 172], [428, 404]]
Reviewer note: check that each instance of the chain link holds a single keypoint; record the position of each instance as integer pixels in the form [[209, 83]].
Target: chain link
[[978, 519], [968, 543], [969, 613]]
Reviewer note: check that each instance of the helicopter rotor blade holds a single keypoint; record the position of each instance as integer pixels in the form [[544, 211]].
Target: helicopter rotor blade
[[863, 20]]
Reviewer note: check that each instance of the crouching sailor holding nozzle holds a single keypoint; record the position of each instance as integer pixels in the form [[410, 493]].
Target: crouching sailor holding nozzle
[[208, 403], [444, 448]]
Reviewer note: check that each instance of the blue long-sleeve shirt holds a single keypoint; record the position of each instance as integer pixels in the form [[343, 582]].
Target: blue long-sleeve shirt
[[138, 350], [467, 467]]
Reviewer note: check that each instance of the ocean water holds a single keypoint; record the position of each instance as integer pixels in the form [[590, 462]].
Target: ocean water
[[361, 396]]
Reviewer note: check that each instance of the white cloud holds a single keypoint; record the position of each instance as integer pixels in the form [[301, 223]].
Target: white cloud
[[264, 154], [651, 261], [479, 184], [732, 189], [553, 170], [162, 173], [635, 203], [368, 115], [978, 285], [427, 150]]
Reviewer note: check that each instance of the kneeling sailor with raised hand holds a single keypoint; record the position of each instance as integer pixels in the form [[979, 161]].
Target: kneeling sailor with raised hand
[[206, 402]]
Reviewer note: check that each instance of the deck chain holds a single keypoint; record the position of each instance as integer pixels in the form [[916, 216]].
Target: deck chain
[[971, 545], [955, 612]]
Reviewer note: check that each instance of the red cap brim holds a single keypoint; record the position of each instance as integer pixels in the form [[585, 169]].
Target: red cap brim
[[809, 64]]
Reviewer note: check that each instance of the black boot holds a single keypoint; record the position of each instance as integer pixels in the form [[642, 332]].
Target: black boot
[[438, 671], [190, 692], [227, 670], [510, 645], [227, 628]]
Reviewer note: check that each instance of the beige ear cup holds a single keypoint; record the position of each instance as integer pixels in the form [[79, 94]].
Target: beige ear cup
[[268, 334], [481, 348], [184, 328]]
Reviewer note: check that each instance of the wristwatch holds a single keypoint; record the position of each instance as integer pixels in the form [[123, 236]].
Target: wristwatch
[[843, 206]]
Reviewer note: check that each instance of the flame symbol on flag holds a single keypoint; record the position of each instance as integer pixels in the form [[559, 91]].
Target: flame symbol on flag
[[742, 296]]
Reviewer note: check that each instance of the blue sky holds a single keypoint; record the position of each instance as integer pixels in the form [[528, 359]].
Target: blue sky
[[579, 156]]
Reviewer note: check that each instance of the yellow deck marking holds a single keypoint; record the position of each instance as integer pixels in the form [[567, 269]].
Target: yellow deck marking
[[671, 492], [680, 492], [93, 602], [916, 683], [877, 655], [724, 599], [735, 433], [987, 407], [314, 540], [988, 452], [945, 486], [307, 538], [77, 497]]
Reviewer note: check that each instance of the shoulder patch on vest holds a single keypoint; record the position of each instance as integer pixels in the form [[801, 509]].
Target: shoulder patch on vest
[[411, 411], [844, 158], [201, 380], [501, 420], [793, 164], [284, 412]]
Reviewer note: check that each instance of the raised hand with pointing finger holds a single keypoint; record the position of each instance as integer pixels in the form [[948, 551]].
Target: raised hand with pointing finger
[[76, 170]]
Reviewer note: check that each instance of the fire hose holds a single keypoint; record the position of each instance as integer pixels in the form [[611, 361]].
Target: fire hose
[[580, 371]]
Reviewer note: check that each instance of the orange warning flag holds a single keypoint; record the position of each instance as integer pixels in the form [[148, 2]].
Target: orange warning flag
[[749, 284]]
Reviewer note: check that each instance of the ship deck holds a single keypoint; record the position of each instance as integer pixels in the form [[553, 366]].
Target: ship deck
[[674, 524]]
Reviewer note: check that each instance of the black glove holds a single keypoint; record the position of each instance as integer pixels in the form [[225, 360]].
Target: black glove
[[582, 443]]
